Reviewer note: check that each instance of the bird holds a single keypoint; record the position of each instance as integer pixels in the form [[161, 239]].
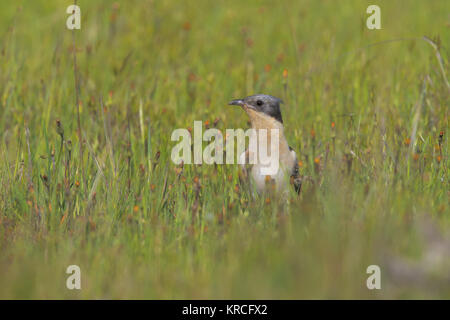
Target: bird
[[265, 113]]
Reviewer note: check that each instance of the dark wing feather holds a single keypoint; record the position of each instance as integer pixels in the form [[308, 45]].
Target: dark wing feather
[[296, 180]]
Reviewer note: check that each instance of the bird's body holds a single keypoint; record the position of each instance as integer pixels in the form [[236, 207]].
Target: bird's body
[[265, 115]]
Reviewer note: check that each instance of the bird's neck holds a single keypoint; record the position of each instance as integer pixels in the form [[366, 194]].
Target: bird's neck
[[261, 121]]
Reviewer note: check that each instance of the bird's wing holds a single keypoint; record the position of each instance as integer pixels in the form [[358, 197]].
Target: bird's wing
[[296, 180]]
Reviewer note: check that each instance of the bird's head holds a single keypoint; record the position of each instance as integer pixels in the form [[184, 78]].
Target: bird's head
[[261, 103]]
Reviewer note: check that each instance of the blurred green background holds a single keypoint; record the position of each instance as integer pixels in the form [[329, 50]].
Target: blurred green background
[[367, 116]]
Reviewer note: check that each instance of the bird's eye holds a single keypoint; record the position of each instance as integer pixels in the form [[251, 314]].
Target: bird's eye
[[259, 103]]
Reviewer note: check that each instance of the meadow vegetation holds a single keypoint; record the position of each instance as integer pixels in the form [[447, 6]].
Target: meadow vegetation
[[367, 117]]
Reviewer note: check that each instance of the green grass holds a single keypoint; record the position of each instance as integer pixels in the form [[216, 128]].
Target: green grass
[[140, 227]]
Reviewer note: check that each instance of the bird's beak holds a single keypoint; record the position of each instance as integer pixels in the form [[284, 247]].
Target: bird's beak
[[237, 102]]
